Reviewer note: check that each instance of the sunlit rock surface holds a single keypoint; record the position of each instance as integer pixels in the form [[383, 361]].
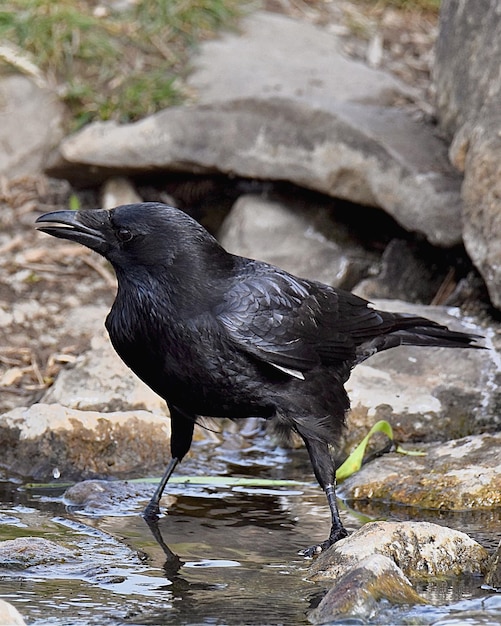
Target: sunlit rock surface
[[461, 474], [52, 441], [100, 381], [9, 615], [383, 560], [420, 549], [428, 394]]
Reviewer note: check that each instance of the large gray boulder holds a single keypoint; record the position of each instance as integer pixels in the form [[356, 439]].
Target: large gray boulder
[[466, 70], [280, 102], [275, 56], [468, 86]]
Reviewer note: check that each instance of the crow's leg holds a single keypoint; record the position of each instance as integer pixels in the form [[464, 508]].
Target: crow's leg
[[152, 511], [180, 442], [325, 473]]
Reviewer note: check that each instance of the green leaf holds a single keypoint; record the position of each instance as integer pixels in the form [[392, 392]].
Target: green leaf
[[354, 462]]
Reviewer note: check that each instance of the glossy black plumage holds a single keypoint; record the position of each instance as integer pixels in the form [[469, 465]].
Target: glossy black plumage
[[224, 336]]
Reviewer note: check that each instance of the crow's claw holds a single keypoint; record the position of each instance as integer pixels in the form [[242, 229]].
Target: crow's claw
[[312, 551]]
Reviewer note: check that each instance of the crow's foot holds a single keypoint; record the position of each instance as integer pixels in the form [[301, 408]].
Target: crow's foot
[[340, 533]]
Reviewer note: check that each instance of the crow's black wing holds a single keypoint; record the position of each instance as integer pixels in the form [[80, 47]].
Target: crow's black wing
[[291, 323]]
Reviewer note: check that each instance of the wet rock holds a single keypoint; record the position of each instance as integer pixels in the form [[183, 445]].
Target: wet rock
[[468, 86], [493, 576], [428, 394], [286, 125], [458, 475], [358, 591], [47, 440], [32, 125], [25, 552], [420, 549], [301, 239], [103, 497], [9, 615], [100, 381], [83, 553]]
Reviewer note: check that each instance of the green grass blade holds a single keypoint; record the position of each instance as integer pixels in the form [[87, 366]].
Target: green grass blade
[[401, 450]]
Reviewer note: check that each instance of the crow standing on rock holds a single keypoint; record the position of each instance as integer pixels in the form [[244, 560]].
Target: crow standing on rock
[[220, 335]]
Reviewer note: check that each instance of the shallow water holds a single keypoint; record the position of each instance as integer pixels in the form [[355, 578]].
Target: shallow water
[[236, 550]]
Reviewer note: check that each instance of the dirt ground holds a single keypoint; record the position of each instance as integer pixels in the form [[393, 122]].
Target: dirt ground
[[43, 281]]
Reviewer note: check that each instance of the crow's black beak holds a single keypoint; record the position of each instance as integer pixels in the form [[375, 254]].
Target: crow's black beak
[[70, 225]]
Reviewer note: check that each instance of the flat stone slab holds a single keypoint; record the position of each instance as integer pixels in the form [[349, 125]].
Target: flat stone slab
[[276, 56]]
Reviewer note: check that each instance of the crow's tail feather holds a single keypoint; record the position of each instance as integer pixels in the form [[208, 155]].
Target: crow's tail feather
[[409, 330], [438, 336]]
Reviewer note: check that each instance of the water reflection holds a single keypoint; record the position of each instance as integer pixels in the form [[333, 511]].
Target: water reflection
[[229, 572]]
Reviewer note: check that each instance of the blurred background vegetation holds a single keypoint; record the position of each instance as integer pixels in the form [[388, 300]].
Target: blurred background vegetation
[[122, 59], [115, 60]]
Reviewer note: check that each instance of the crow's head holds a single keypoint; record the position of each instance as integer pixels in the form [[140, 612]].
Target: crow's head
[[145, 234]]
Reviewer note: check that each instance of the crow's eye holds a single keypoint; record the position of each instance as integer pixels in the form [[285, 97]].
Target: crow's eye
[[124, 235]]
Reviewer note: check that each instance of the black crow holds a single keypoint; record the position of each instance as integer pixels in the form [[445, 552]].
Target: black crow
[[220, 335]]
